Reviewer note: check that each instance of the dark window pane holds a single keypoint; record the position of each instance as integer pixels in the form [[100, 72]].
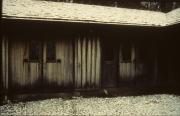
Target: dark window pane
[[108, 53], [141, 54], [51, 51], [126, 53], [34, 51]]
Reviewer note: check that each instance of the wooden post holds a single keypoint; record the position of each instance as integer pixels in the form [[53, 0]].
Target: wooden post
[[79, 71], [155, 65], [84, 76], [93, 67], [5, 67], [89, 62], [98, 62], [76, 63]]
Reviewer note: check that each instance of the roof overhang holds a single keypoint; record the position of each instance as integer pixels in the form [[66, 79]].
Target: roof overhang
[[71, 12]]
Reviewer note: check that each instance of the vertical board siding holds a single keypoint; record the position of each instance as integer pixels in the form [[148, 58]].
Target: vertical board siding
[[84, 62], [60, 73], [22, 73], [31, 73], [93, 64], [5, 63], [98, 62], [88, 59], [89, 62], [130, 70], [78, 69]]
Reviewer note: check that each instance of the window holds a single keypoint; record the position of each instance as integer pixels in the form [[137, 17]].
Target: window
[[141, 53], [34, 51], [126, 53], [109, 54], [51, 52]]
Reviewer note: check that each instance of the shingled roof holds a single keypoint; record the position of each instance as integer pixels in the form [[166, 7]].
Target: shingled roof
[[71, 12]]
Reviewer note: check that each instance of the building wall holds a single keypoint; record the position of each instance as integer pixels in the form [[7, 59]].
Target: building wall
[[80, 56], [77, 65], [139, 69], [87, 62], [41, 74]]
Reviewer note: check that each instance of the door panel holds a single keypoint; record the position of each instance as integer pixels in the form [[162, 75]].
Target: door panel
[[109, 64], [58, 72], [31, 71], [127, 64], [132, 71], [24, 73]]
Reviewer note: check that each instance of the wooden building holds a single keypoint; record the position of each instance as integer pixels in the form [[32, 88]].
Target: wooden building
[[53, 47]]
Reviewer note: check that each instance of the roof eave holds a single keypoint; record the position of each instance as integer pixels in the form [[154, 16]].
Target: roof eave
[[78, 21]]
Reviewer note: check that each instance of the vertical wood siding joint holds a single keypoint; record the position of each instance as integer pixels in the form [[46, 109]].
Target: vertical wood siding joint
[[5, 64]]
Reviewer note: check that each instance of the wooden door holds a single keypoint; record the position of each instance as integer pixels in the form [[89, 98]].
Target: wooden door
[[109, 64], [25, 65], [58, 65], [126, 62], [41, 65], [132, 64]]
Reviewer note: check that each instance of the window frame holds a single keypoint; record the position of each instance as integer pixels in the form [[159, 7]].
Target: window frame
[[32, 52], [126, 47], [52, 59]]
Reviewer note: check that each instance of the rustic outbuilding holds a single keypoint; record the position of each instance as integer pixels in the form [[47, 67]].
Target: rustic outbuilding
[[54, 46]]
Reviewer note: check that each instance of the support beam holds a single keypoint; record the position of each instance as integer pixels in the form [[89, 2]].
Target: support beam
[[5, 68], [155, 65]]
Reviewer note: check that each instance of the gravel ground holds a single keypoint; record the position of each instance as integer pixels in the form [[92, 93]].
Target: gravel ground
[[140, 105]]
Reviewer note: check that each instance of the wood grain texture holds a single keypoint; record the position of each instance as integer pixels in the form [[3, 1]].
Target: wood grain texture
[[88, 56], [84, 62], [31, 73], [22, 73], [60, 72], [129, 70], [5, 63], [89, 61], [93, 64], [98, 62]]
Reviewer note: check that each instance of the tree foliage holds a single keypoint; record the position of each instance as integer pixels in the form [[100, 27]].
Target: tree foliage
[[155, 5]]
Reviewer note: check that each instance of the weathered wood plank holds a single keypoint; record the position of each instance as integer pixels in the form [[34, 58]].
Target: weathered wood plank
[[59, 65], [45, 65], [125, 71], [119, 63], [89, 62], [79, 63], [21, 51], [76, 62], [129, 70], [7, 64], [66, 78], [155, 67], [22, 73], [133, 70], [59, 73], [122, 70], [93, 68], [3, 63], [70, 69], [133, 58], [25, 64], [62, 62], [98, 62], [84, 76]]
